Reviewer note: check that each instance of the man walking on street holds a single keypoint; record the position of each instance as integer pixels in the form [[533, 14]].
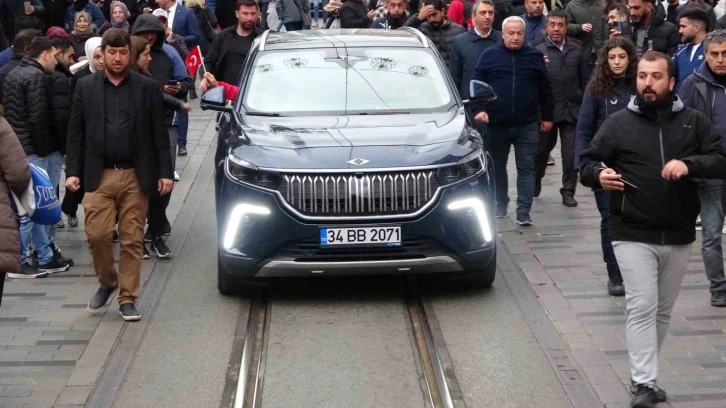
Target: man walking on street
[[523, 108], [431, 20], [466, 48], [650, 28], [568, 74], [118, 147], [27, 109], [20, 50], [649, 155], [586, 24], [704, 91], [534, 19], [231, 45], [692, 28]]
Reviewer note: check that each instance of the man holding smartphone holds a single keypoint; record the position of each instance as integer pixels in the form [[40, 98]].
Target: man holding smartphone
[[649, 155], [168, 70]]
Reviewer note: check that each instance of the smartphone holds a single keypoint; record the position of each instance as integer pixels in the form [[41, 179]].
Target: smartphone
[[172, 82], [619, 26]]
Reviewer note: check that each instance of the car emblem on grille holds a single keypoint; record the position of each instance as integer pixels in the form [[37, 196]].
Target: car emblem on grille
[[359, 161]]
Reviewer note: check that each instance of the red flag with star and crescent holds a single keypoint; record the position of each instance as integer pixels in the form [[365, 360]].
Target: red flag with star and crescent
[[194, 61]]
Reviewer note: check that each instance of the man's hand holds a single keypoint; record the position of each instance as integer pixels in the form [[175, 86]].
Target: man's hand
[[172, 89], [610, 180], [547, 59], [425, 12], [545, 126], [187, 107], [147, 10], [615, 33], [29, 9], [674, 170], [165, 186], [586, 27], [211, 80], [169, 34], [73, 183], [482, 117], [370, 14]]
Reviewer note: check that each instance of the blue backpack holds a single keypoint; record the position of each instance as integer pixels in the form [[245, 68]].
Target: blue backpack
[[39, 202]]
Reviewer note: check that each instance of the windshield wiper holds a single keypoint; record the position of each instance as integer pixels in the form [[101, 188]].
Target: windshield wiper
[[271, 114], [383, 112]]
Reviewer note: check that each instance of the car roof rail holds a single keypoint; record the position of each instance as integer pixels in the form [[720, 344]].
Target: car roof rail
[[419, 34], [263, 39]]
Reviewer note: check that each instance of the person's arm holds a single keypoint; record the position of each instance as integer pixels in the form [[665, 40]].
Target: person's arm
[[573, 29], [210, 62], [160, 135], [179, 71], [76, 135], [456, 66], [38, 7], [711, 162], [13, 161], [601, 150], [192, 36], [230, 91], [351, 19], [673, 42], [414, 22], [134, 12], [209, 10], [38, 113], [684, 92], [586, 124], [546, 100], [456, 13], [172, 102], [180, 46], [582, 73], [60, 106]]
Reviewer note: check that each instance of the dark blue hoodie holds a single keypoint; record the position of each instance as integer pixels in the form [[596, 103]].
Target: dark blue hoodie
[[534, 27], [520, 80], [702, 92]]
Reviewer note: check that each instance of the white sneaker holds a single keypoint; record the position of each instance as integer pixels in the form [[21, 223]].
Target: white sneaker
[[698, 223], [176, 176]]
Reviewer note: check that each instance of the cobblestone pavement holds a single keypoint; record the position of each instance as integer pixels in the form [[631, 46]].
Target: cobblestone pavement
[[562, 259], [51, 349]]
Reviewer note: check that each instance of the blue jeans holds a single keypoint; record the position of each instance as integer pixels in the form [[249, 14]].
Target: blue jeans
[[41, 235], [525, 138], [317, 5], [602, 200], [183, 129], [711, 193]]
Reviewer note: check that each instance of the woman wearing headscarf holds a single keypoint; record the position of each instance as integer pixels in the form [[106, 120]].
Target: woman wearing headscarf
[[119, 18], [15, 177], [82, 30]]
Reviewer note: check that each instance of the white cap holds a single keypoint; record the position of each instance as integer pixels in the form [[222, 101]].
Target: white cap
[[160, 13]]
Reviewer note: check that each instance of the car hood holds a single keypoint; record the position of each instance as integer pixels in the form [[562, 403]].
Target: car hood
[[333, 142]]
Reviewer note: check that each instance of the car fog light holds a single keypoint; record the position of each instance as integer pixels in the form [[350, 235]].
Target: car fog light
[[476, 205], [233, 224]]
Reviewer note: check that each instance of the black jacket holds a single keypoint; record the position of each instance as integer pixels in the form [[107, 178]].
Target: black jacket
[[353, 14], [161, 66], [220, 46], [663, 33], [466, 48], [441, 36], [25, 100], [86, 71], [581, 12], [207, 27], [12, 64], [149, 136], [389, 22], [721, 23], [568, 73], [637, 146], [59, 99], [707, 8], [702, 92]]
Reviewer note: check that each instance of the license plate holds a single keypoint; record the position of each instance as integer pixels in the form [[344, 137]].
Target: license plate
[[387, 236]]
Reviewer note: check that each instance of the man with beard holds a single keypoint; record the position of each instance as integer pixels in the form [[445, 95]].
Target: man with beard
[[118, 147], [704, 91], [693, 27], [650, 28], [394, 18], [534, 20], [432, 21], [649, 155], [231, 45]]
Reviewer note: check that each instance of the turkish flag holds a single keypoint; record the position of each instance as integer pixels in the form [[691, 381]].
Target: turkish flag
[[194, 61]]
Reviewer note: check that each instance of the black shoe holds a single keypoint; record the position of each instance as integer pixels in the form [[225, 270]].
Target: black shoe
[[660, 394], [158, 245], [166, 230], [129, 313], [145, 255], [616, 288], [537, 188], [53, 266], [27, 271], [550, 161], [718, 299], [115, 236], [99, 299], [501, 212], [59, 256], [147, 235], [644, 397], [181, 151], [569, 201], [524, 220]]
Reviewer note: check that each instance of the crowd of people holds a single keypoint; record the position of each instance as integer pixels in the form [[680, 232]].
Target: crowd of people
[[636, 93]]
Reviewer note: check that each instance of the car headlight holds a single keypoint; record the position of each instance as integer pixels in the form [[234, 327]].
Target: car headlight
[[471, 165], [247, 172]]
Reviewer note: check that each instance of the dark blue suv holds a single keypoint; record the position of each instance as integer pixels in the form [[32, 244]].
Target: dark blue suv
[[349, 152]]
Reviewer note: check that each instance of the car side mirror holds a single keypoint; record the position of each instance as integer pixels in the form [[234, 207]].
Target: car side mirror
[[214, 100], [480, 94]]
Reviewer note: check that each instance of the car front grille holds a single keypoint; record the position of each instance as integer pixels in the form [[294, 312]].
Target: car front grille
[[310, 251], [359, 194]]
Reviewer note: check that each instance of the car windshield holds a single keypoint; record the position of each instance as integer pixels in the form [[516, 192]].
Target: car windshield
[[326, 81]]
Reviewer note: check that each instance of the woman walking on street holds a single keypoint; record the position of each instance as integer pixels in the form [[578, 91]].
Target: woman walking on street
[[609, 91]]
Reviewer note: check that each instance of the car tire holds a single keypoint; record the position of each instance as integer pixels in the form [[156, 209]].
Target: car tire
[[229, 285]]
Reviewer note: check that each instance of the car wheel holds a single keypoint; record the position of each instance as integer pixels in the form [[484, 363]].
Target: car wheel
[[229, 285]]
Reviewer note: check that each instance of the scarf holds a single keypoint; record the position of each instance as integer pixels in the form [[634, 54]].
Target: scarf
[[124, 24], [82, 35]]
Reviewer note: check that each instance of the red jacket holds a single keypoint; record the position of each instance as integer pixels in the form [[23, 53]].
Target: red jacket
[[230, 91]]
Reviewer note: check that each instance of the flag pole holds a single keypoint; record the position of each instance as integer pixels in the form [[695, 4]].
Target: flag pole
[[204, 68]]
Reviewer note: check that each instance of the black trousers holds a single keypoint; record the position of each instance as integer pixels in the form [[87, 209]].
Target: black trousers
[[547, 142], [72, 200]]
